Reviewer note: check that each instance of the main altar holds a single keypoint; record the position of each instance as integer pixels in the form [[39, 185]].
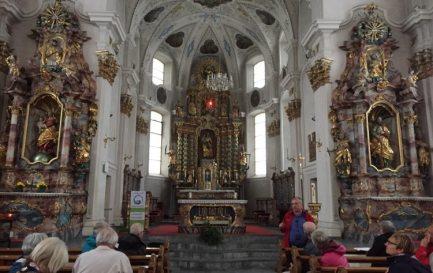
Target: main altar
[[207, 160]]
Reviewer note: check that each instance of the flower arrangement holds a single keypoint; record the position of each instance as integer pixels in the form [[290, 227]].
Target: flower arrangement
[[41, 186], [19, 186]]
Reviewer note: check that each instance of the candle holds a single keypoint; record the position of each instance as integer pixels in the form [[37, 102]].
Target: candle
[[313, 193]]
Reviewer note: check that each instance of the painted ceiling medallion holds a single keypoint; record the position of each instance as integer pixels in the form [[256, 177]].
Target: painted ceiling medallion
[[209, 47], [211, 3], [175, 40]]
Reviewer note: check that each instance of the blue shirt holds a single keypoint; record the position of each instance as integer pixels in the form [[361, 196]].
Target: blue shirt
[[297, 235]]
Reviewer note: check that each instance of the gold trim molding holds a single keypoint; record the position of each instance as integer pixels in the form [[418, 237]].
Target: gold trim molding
[[422, 63], [293, 109], [5, 52], [142, 125], [107, 65], [319, 73], [126, 104]]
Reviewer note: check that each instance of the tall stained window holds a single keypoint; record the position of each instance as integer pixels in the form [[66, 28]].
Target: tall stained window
[[259, 75], [155, 143], [260, 144], [158, 72]]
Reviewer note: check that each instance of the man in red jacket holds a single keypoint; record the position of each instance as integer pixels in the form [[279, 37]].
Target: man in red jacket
[[425, 247], [292, 224]]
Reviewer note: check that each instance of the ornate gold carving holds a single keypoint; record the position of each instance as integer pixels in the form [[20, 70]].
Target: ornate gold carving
[[333, 118], [422, 63], [5, 52], [55, 17], [126, 104], [293, 109], [360, 118], [142, 125], [314, 209], [412, 119], [107, 65], [319, 73], [274, 128], [15, 109]]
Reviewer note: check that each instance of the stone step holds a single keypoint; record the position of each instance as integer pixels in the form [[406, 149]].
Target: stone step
[[232, 265]]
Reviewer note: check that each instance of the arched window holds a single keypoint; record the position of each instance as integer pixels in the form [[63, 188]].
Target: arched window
[[259, 74], [260, 144], [155, 143], [157, 72]]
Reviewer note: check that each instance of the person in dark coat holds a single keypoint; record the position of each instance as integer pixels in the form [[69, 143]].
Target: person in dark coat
[[378, 248], [132, 244], [401, 249]]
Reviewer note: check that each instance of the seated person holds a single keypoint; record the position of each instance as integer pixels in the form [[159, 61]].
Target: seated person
[[50, 255], [309, 249], [378, 248], [400, 247], [29, 243], [425, 247], [132, 244], [90, 242], [104, 258], [333, 252]]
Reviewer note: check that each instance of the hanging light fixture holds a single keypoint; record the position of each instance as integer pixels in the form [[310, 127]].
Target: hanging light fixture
[[219, 81]]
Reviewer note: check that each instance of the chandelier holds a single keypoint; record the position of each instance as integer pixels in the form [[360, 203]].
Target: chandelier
[[219, 81]]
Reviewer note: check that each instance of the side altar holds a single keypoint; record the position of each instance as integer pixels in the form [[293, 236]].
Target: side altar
[[207, 159]]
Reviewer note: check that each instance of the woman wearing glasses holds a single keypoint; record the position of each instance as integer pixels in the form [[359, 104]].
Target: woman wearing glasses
[[400, 248]]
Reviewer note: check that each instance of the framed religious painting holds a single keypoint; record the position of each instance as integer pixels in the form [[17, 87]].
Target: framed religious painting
[[385, 149], [42, 129]]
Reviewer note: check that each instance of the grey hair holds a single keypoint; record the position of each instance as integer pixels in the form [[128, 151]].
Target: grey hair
[[30, 241], [136, 228], [320, 239], [309, 228], [107, 236], [387, 226], [50, 255], [100, 225]]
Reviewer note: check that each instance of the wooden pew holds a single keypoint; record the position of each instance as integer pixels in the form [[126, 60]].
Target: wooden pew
[[151, 268], [316, 268]]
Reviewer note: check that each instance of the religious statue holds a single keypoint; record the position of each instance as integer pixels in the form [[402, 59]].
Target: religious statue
[[11, 61], [235, 110], [423, 159], [171, 159], [82, 151], [411, 85], [343, 157], [206, 142], [179, 110], [47, 139], [53, 53], [381, 151]]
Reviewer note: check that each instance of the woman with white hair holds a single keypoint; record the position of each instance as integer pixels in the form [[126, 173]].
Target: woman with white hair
[[332, 252], [132, 244], [29, 243], [104, 258], [50, 255]]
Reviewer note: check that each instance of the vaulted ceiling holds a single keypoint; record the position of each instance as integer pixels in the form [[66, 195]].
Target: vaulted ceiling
[[233, 30]]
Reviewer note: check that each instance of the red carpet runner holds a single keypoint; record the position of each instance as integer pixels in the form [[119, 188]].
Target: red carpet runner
[[172, 230]]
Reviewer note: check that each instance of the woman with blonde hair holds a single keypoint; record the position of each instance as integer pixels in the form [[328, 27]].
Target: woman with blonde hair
[[50, 255], [400, 247], [29, 243]]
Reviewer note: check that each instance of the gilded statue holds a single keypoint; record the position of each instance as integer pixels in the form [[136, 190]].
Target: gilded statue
[[411, 85], [343, 157], [47, 139], [206, 142], [82, 151], [11, 61], [423, 159], [381, 151]]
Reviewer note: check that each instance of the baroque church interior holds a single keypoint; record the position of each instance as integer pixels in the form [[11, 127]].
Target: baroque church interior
[[214, 106]]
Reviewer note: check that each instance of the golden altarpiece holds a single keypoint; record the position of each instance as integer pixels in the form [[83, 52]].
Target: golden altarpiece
[[45, 147], [207, 163], [381, 159]]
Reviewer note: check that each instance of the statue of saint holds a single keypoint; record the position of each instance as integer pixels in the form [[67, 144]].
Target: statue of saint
[[381, 150], [11, 61], [423, 159], [343, 157], [47, 139], [206, 143]]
